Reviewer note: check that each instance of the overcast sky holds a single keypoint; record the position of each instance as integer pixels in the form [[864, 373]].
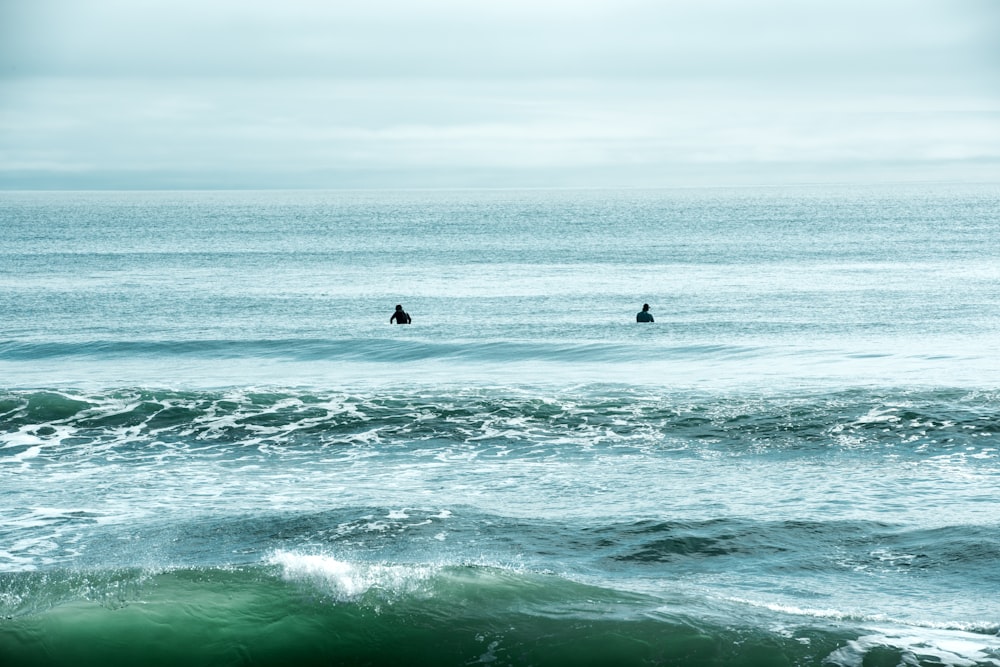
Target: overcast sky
[[449, 93]]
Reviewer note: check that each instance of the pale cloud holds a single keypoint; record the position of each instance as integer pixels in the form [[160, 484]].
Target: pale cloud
[[121, 93], [546, 38]]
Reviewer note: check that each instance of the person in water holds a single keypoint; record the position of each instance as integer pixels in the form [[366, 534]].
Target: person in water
[[644, 315], [400, 316]]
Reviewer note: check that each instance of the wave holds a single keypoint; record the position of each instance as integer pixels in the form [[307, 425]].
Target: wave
[[363, 349], [907, 423], [554, 356], [720, 553], [853, 543], [311, 609]]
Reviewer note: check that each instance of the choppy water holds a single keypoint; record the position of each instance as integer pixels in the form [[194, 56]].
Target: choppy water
[[214, 449]]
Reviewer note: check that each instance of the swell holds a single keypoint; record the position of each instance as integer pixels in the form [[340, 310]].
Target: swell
[[355, 349], [804, 546]]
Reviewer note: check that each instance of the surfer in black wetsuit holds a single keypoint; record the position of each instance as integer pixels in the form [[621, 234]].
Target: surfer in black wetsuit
[[400, 316], [644, 315]]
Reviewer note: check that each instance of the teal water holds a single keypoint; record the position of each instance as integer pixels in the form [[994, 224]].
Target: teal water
[[214, 449]]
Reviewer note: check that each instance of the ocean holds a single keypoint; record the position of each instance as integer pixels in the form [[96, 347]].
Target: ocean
[[216, 450]]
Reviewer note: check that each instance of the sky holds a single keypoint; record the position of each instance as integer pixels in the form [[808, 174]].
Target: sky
[[191, 94]]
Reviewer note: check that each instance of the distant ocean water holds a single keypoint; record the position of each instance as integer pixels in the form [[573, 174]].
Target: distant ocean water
[[216, 450]]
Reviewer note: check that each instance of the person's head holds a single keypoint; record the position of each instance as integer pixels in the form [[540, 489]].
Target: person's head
[[645, 306], [399, 307]]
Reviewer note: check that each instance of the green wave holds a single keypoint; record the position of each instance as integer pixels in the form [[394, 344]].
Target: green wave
[[300, 611]]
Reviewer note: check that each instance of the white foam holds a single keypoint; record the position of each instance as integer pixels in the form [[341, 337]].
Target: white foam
[[29, 453], [948, 647], [346, 580], [20, 438], [879, 416], [11, 562], [832, 614], [974, 628], [952, 644]]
